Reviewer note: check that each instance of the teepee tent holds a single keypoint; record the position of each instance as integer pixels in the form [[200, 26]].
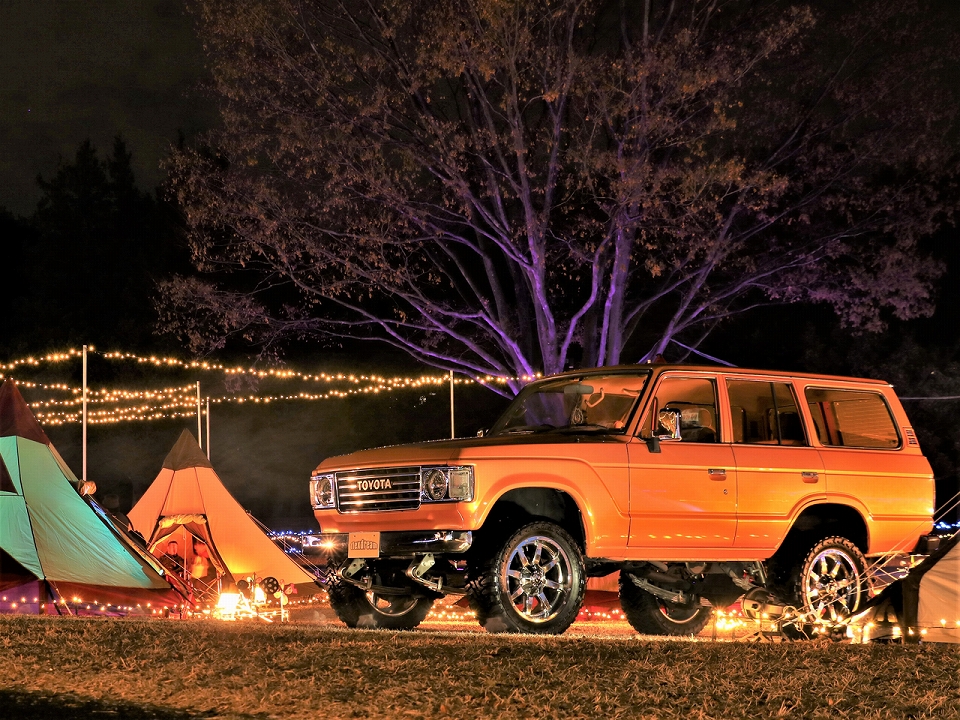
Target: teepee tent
[[924, 605], [188, 504], [55, 542]]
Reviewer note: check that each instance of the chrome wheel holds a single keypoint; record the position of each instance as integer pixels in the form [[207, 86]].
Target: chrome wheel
[[682, 615], [538, 578], [357, 608], [827, 586], [392, 605], [832, 584], [650, 615], [533, 583]]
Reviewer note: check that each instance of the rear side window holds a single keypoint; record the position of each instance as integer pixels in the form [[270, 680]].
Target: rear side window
[[849, 418], [764, 413]]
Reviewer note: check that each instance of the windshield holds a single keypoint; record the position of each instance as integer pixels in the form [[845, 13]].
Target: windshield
[[587, 403]]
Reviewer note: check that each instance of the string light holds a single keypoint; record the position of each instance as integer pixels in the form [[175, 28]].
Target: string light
[[77, 605], [183, 405], [270, 373], [36, 362], [122, 405]]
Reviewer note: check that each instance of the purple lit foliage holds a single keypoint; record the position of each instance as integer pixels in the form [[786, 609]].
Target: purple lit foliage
[[504, 188]]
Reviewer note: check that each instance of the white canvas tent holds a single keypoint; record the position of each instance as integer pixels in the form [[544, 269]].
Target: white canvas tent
[[923, 606]]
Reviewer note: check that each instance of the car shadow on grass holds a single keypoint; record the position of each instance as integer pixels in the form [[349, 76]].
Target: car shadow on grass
[[32, 705]]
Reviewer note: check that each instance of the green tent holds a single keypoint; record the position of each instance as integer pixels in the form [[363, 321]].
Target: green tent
[[58, 540]]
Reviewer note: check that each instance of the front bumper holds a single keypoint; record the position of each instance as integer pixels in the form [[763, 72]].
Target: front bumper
[[337, 546]]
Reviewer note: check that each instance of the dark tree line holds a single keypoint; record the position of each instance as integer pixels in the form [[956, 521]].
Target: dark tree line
[[84, 267]]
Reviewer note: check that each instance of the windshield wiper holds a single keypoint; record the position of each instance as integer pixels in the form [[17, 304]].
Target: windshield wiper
[[527, 429], [591, 429]]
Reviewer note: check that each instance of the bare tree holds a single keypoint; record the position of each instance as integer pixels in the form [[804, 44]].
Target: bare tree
[[505, 187]]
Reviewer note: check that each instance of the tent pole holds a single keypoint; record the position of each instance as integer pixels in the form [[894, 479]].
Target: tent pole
[[453, 433], [83, 471], [199, 425], [208, 428]]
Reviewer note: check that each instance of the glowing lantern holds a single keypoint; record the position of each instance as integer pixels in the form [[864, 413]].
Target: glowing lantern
[[227, 605]]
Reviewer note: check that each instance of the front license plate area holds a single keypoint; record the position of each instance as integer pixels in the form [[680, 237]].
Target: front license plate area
[[363, 545]]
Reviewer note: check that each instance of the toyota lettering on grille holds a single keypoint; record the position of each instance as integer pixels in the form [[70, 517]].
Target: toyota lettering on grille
[[378, 484], [378, 489]]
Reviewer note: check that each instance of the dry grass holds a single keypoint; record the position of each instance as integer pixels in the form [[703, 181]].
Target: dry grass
[[88, 668]]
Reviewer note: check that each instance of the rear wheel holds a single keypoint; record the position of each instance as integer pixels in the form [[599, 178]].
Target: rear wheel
[[831, 581], [534, 583], [828, 584], [650, 615], [357, 608]]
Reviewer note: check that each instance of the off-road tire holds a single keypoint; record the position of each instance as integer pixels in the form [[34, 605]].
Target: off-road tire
[[358, 609], [650, 615], [540, 556], [828, 583]]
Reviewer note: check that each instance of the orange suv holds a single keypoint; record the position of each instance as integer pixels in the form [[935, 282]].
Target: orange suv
[[697, 484]]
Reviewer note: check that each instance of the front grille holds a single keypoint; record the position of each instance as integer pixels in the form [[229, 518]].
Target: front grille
[[378, 489]]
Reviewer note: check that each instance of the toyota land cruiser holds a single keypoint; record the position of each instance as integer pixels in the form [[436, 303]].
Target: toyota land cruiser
[[697, 484]]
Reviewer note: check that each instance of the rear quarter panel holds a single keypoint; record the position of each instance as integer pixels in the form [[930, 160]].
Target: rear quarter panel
[[893, 489]]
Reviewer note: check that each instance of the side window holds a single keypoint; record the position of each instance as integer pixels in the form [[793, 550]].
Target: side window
[[852, 419], [764, 413], [696, 399]]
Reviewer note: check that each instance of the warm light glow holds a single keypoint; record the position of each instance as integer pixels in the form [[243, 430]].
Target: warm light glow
[[227, 605], [118, 405]]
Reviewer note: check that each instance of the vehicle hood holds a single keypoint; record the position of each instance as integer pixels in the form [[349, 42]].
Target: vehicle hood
[[454, 452]]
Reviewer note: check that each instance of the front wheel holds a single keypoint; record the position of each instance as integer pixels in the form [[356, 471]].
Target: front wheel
[[650, 615], [357, 608], [534, 583]]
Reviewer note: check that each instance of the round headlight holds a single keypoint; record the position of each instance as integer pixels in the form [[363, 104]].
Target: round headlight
[[434, 483], [325, 491]]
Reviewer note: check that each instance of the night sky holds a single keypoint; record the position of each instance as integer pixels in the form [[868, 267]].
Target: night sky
[[72, 70]]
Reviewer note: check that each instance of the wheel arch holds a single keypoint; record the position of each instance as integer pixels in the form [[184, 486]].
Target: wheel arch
[[824, 520], [521, 505]]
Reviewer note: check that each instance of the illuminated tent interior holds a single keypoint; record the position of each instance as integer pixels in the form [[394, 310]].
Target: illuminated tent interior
[[59, 551], [188, 503], [924, 605]]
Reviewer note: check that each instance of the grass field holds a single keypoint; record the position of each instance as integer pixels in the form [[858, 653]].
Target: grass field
[[68, 668]]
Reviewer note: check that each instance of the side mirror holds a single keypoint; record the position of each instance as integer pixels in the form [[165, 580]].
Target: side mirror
[[669, 422]]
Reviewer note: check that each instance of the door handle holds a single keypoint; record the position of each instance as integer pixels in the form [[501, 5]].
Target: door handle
[[717, 473], [810, 477]]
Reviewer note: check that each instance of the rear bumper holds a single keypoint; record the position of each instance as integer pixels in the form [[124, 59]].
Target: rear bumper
[[334, 546]]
